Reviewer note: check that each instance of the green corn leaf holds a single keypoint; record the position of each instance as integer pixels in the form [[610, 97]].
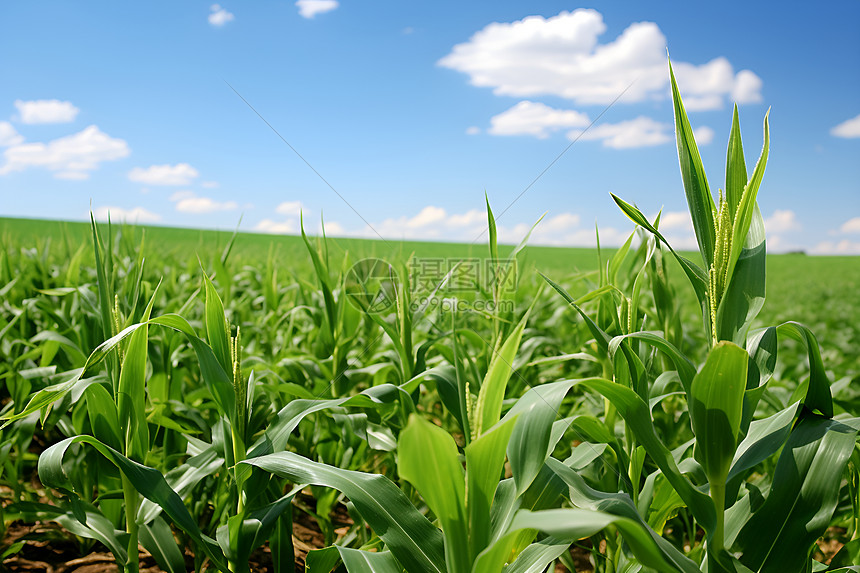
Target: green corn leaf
[[697, 277], [736, 169], [818, 396], [157, 538], [485, 460], [529, 445], [216, 326], [536, 557], [245, 532], [492, 393], [573, 524], [95, 525], [324, 279], [214, 376], [182, 479], [685, 367], [746, 207], [428, 459], [764, 439], [105, 294], [781, 534], [357, 561], [491, 227], [600, 336], [618, 504], [322, 560], [637, 414], [131, 402], [103, 416], [147, 481], [699, 198], [716, 406], [413, 540]]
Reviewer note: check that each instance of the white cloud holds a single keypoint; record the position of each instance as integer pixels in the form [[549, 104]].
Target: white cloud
[[310, 8], [843, 247], [470, 218], [209, 184], [640, 132], [8, 135], [46, 111], [179, 174], [671, 220], [219, 16], [72, 156], [277, 227], [473, 130], [534, 118], [849, 128], [779, 244], [290, 208], [781, 221], [135, 215], [703, 135], [190, 202], [561, 56], [851, 226], [747, 88], [437, 223]]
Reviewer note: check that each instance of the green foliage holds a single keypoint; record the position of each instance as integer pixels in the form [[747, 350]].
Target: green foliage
[[192, 405]]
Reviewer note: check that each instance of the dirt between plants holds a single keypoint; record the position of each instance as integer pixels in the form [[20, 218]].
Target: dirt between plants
[[50, 549]]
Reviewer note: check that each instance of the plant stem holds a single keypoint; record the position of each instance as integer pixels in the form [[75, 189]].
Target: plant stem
[[132, 500], [716, 543], [238, 456]]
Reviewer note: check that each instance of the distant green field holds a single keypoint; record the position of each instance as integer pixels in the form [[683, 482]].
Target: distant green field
[[807, 289], [799, 287]]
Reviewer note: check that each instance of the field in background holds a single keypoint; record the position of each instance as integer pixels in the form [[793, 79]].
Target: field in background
[[808, 289]]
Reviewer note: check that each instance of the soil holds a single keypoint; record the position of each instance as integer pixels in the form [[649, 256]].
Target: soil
[[49, 549]]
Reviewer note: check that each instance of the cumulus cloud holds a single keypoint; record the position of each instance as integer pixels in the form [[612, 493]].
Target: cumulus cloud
[[46, 111], [672, 220], [190, 202], [310, 8], [436, 223], [703, 135], [851, 226], [473, 130], [536, 119], [134, 215], [179, 174], [209, 184], [562, 56], [219, 16], [70, 157], [849, 128], [289, 208], [747, 88], [8, 135], [843, 247], [640, 132], [277, 227], [781, 221]]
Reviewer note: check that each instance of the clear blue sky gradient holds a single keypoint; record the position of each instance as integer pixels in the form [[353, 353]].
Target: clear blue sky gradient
[[358, 91]]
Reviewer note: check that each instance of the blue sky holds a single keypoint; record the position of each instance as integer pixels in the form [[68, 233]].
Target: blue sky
[[411, 111]]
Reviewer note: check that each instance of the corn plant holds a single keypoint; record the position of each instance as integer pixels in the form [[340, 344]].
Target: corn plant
[[747, 529]]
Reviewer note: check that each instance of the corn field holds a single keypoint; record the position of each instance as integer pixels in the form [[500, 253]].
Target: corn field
[[190, 414]]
